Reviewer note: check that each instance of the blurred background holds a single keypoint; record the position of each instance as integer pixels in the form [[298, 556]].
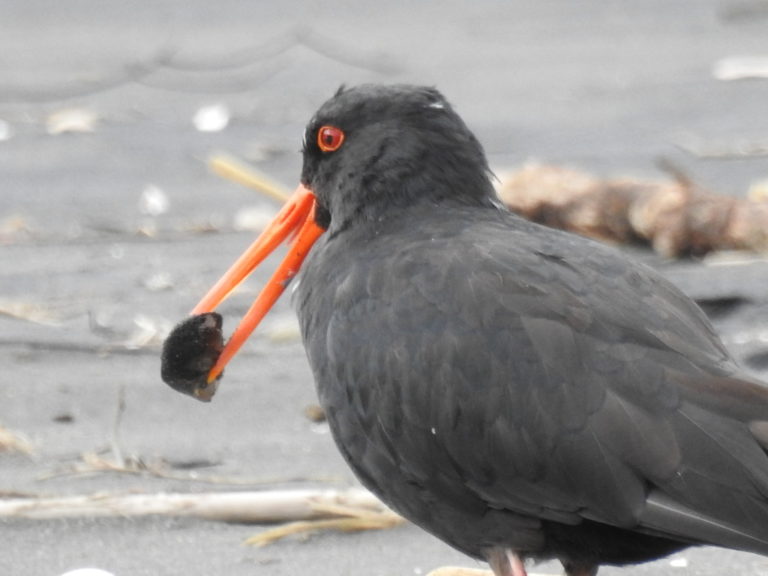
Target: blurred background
[[112, 226]]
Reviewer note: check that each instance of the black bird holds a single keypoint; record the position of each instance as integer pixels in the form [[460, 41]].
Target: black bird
[[519, 392]]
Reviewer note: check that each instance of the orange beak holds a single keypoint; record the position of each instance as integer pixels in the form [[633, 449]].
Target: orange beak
[[296, 219]]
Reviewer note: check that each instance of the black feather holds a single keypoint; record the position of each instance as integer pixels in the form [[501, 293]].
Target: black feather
[[506, 385]]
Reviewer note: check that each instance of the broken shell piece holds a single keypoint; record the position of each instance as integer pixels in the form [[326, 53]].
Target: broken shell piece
[[741, 68], [211, 118], [154, 201], [72, 120], [6, 132]]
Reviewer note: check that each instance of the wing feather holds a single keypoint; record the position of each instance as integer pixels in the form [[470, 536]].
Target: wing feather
[[543, 379]]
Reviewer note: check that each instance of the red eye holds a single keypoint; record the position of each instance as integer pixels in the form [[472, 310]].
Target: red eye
[[330, 138]]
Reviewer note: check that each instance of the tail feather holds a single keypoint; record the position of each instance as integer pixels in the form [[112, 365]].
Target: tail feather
[[664, 515]]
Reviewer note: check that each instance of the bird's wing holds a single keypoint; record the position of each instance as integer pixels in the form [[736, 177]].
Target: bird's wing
[[649, 425], [551, 378]]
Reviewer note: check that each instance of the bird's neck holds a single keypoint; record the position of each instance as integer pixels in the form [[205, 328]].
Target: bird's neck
[[381, 200]]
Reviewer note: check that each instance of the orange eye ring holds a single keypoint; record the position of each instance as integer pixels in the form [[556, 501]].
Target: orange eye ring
[[330, 138]]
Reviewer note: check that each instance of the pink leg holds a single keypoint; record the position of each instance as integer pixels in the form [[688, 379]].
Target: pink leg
[[518, 568], [505, 562]]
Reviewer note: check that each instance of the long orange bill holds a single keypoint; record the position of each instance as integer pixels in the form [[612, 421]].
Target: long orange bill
[[297, 218]]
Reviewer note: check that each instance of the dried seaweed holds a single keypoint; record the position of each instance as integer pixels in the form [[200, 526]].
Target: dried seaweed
[[675, 217]]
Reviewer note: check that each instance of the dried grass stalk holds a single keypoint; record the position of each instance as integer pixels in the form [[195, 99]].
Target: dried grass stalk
[[246, 507]]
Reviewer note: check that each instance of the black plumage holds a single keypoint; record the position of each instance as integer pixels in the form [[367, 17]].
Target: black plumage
[[503, 385], [517, 391]]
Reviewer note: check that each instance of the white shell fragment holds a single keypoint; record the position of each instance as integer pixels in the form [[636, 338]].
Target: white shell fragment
[[71, 120], [211, 118], [741, 68], [679, 562], [6, 132], [154, 201], [158, 282]]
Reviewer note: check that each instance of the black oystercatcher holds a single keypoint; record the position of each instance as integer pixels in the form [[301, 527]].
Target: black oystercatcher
[[516, 391]]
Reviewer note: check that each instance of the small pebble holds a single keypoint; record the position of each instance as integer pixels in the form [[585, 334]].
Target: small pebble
[[314, 413]]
